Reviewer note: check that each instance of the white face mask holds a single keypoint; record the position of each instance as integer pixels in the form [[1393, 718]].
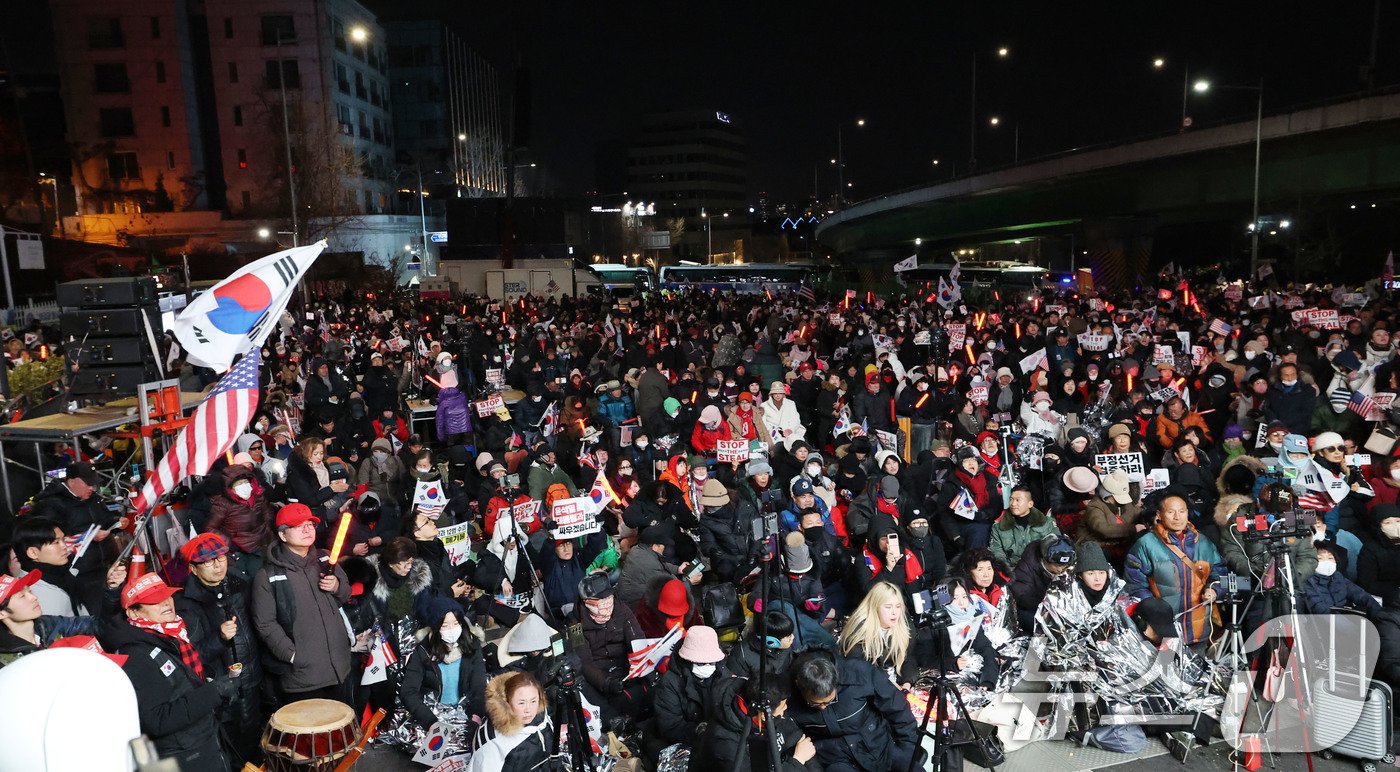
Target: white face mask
[[243, 489], [380, 456], [1391, 530], [1395, 473], [450, 634], [1290, 384], [642, 444], [1326, 567], [422, 470], [703, 671], [813, 470]]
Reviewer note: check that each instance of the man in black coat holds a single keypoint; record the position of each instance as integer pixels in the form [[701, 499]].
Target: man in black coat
[[1042, 561], [73, 503], [853, 713], [609, 627], [216, 608], [176, 702]]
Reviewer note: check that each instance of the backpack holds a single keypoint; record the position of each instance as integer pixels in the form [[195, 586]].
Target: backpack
[[720, 606], [1119, 738]]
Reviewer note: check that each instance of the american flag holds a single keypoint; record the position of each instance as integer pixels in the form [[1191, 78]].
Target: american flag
[[1316, 500], [1361, 404], [804, 291], [211, 431], [1220, 327]]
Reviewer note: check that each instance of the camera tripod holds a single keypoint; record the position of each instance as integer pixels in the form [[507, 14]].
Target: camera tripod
[[768, 526], [942, 735], [568, 713]]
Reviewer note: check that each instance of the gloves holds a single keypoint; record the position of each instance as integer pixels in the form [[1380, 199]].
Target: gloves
[[227, 688], [613, 687], [811, 604]]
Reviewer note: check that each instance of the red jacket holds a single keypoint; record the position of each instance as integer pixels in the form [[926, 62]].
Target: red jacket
[[497, 504], [703, 440]]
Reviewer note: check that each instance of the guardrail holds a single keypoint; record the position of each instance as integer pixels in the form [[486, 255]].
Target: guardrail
[[32, 312]]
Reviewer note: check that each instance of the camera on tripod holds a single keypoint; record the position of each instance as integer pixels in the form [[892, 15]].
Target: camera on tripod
[[1275, 516], [931, 607]]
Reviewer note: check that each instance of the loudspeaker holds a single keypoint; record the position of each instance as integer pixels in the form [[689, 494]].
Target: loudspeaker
[[105, 293], [100, 352], [113, 322], [111, 382]]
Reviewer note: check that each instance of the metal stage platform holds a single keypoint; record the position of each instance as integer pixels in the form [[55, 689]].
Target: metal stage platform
[[67, 428]]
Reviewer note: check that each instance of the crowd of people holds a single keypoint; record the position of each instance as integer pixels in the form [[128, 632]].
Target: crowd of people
[[816, 507]]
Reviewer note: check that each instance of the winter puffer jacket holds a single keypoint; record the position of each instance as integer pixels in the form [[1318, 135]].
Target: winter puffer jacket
[[683, 701], [724, 540], [603, 658], [301, 617], [453, 413], [722, 741], [866, 723], [502, 744], [422, 677], [1011, 536], [177, 707], [246, 522]]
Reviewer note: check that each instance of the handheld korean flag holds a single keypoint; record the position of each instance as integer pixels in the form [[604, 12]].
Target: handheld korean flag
[[238, 313], [946, 298], [601, 493], [381, 657], [907, 264], [549, 422], [843, 424], [964, 506], [429, 494]]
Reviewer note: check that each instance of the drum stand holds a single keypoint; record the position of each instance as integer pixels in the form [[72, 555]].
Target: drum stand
[[569, 714]]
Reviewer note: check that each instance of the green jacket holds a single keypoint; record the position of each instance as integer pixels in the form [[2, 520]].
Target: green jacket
[[1010, 539]]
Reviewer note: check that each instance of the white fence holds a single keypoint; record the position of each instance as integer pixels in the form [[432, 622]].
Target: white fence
[[31, 312]]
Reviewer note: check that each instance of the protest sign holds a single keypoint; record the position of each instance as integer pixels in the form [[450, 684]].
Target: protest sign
[[496, 376], [1234, 293], [957, 336], [490, 405], [1055, 308], [457, 539], [1163, 394], [1353, 299], [1095, 342], [1321, 318], [1198, 355], [624, 435], [1034, 360], [1382, 401], [1163, 355], [1096, 304], [1155, 480], [1130, 463], [977, 395], [573, 517], [923, 338], [836, 319], [731, 450], [1261, 435], [888, 440]]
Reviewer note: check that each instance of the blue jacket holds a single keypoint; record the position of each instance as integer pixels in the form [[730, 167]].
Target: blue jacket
[[616, 410], [561, 578], [1321, 594], [790, 521], [1152, 568]]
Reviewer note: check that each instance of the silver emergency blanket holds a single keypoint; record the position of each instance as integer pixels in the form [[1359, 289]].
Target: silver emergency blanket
[[399, 729], [1097, 649], [673, 758]]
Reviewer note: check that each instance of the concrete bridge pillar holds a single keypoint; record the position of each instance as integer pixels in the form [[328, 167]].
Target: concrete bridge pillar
[[1120, 251]]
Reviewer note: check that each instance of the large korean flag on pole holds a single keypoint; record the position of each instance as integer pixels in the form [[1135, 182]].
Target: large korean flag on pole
[[238, 313]]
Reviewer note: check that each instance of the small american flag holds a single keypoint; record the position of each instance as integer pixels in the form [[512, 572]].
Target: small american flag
[[1361, 404], [211, 431], [1316, 500], [1220, 327], [805, 292]]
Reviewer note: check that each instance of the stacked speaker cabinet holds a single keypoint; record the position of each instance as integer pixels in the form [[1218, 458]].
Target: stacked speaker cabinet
[[110, 328]]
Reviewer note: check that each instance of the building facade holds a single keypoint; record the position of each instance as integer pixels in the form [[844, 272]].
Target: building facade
[[447, 110], [176, 105]]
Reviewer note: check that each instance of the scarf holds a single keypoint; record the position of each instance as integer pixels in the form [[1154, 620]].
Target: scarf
[[323, 476], [993, 462], [977, 486], [175, 630]]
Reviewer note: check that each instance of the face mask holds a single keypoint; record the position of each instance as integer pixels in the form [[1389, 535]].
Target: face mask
[[1339, 409], [1325, 568], [450, 634], [537, 398], [1391, 530], [919, 531], [423, 470], [243, 490], [642, 444], [703, 671], [380, 456], [1289, 384], [813, 470]]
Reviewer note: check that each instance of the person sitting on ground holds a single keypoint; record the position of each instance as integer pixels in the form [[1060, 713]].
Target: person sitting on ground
[[856, 718], [1019, 526], [519, 735], [684, 698]]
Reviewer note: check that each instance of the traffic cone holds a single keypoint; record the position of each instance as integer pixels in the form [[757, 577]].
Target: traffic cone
[[138, 563]]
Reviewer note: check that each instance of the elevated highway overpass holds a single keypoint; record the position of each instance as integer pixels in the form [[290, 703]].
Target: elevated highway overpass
[[1102, 207]]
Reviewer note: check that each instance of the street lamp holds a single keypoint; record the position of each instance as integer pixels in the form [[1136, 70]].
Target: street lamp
[[1002, 53], [1201, 87], [840, 159], [1159, 63], [264, 233], [995, 120], [709, 237], [359, 34]]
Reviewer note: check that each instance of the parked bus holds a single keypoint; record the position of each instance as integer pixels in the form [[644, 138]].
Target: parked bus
[[619, 279], [980, 280], [741, 277]]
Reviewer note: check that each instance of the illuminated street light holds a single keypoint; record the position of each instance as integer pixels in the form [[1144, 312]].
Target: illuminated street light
[[264, 233], [461, 137], [935, 162], [918, 241], [995, 120], [359, 34], [1159, 63], [860, 121], [1003, 52], [1285, 223], [1201, 86]]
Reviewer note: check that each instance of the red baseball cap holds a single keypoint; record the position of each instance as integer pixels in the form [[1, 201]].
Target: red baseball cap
[[90, 644], [293, 515], [11, 585], [149, 588]]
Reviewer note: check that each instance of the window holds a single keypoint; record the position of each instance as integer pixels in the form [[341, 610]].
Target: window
[[237, 115], [123, 166], [288, 73], [360, 90], [155, 26], [364, 125], [242, 158], [338, 34], [278, 27], [165, 117], [105, 32], [110, 79], [374, 93], [233, 72], [160, 72], [228, 29], [116, 122], [170, 158], [347, 120], [342, 78]]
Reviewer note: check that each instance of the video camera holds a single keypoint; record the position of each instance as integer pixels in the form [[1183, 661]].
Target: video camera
[[931, 607], [1276, 515]]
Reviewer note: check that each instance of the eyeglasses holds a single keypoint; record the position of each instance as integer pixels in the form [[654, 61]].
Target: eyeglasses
[[257, 446], [1334, 449], [626, 468], [823, 704]]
